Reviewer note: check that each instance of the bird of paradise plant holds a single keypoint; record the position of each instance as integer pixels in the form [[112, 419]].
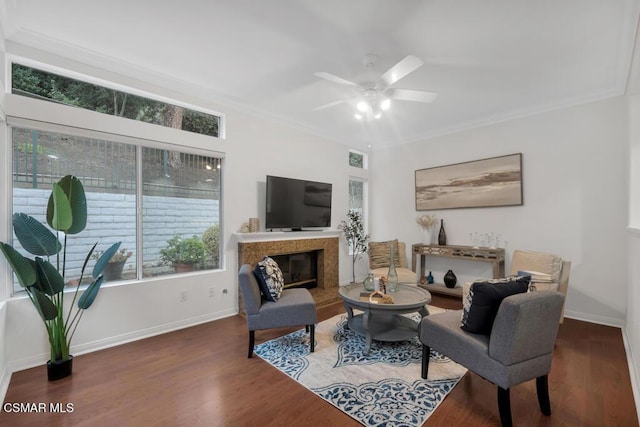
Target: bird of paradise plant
[[45, 282]]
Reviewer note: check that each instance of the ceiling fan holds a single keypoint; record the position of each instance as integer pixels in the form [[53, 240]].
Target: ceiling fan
[[374, 90]]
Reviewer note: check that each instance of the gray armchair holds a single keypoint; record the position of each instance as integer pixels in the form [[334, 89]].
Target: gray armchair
[[518, 349], [295, 307]]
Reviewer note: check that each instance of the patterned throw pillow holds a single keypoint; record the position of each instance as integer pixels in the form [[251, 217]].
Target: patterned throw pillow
[[480, 307], [270, 278]]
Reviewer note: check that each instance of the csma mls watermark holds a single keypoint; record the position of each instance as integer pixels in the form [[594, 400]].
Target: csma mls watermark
[[38, 407]]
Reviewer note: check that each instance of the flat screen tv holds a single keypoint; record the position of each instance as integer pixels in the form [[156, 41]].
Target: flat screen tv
[[296, 204]]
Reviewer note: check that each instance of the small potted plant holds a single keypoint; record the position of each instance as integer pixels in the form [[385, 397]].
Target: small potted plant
[[183, 254], [113, 269]]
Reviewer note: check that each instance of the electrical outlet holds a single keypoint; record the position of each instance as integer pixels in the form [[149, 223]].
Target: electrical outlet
[[183, 296], [211, 292]]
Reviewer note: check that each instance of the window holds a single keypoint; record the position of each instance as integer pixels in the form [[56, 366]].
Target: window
[[177, 193], [52, 87], [356, 159]]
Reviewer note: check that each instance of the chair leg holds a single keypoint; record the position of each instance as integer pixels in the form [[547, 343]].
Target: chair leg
[[504, 406], [312, 337], [252, 340], [426, 351], [542, 387]]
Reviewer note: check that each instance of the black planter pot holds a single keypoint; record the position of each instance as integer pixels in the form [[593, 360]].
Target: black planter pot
[[450, 279], [58, 370]]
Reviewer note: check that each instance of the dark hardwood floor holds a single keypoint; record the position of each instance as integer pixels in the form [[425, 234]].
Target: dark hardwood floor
[[201, 376]]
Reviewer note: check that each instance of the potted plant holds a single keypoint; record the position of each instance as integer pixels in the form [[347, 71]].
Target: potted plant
[[353, 229], [211, 240], [113, 269], [43, 278], [183, 254]]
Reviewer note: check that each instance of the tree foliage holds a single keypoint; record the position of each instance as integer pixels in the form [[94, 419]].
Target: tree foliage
[[45, 85]]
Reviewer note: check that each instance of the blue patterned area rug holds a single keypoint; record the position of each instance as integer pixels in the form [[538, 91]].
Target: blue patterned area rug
[[383, 388]]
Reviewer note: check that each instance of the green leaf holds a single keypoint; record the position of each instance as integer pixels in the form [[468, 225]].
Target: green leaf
[[74, 192], [90, 294], [46, 308], [104, 259], [49, 279], [61, 217], [23, 267], [34, 237]]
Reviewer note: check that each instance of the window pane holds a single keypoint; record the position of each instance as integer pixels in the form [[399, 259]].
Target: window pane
[[107, 172], [48, 86], [180, 211], [356, 159], [356, 195]]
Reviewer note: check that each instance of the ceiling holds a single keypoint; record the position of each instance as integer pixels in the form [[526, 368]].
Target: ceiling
[[488, 60]]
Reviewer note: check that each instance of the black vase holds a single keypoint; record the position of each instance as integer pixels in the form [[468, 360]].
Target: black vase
[[450, 279], [57, 370], [442, 236]]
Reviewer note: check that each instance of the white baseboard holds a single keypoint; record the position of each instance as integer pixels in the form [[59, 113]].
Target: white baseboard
[[633, 372], [600, 320], [5, 379], [41, 359]]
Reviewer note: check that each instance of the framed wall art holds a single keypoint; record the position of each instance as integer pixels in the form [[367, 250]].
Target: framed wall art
[[496, 181]]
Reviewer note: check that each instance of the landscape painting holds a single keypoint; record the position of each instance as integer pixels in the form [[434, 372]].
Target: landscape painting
[[496, 181]]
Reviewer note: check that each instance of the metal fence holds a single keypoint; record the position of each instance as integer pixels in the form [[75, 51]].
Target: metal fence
[[41, 158]]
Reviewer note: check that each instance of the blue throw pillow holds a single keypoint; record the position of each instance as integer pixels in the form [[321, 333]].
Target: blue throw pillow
[[484, 298], [269, 278]]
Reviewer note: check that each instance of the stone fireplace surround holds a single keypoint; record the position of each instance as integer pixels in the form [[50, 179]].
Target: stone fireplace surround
[[252, 247]]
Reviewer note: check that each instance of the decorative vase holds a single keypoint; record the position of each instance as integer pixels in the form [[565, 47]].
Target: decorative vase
[[113, 271], [442, 236], [450, 279], [368, 283], [59, 369], [427, 236], [430, 278], [392, 274]]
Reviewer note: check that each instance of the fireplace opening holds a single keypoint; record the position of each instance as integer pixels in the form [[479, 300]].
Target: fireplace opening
[[300, 270]]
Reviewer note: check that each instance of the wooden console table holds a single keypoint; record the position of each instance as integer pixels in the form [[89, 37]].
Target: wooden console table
[[493, 255]]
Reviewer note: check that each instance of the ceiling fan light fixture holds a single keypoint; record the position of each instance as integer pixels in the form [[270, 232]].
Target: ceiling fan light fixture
[[385, 104], [362, 106], [358, 116]]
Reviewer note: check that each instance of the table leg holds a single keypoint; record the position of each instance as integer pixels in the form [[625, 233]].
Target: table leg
[[349, 311], [424, 311], [366, 318]]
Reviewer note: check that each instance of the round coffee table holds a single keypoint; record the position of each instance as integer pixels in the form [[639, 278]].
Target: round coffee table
[[383, 322]]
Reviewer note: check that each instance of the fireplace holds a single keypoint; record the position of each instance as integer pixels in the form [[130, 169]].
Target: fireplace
[[300, 270], [300, 258]]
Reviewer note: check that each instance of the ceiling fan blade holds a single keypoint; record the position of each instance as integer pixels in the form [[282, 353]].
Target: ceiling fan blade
[[407, 65], [335, 79], [330, 104], [411, 95]]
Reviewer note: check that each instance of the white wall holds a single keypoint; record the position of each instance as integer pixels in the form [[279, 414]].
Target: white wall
[[254, 147], [632, 328], [575, 178]]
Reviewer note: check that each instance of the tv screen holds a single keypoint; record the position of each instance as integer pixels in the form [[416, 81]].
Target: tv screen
[[297, 204]]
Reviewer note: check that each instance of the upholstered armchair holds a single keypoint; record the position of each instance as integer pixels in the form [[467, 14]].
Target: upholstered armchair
[[553, 271], [379, 253], [294, 307], [518, 348]]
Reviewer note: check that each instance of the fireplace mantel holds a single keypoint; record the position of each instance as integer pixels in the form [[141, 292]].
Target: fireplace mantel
[[284, 235]]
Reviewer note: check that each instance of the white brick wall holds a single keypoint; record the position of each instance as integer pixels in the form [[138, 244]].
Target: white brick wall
[[111, 218]]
